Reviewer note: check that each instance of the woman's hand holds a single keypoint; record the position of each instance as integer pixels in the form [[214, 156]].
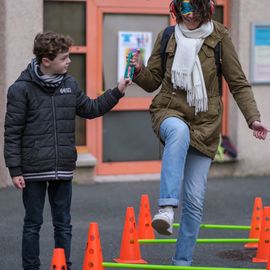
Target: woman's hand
[[259, 130], [123, 83], [136, 61]]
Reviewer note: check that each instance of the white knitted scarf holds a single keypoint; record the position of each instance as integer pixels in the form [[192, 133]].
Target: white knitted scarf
[[186, 69]]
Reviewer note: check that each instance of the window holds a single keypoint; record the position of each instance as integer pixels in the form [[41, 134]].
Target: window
[[69, 18]]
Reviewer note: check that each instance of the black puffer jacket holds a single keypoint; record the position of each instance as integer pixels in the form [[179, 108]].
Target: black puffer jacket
[[40, 123]]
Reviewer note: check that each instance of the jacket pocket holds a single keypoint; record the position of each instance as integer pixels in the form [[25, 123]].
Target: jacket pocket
[[30, 154], [26, 153], [161, 100], [35, 150], [207, 124], [208, 51]]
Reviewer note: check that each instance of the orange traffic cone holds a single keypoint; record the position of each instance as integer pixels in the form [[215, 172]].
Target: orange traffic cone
[[130, 248], [264, 240], [145, 229], [58, 259], [256, 222], [93, 253]]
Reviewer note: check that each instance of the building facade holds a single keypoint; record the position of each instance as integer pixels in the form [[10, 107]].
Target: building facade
[[122, 142]]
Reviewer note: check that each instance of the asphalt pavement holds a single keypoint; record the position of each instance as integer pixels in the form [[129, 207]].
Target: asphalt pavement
[[229, 201]]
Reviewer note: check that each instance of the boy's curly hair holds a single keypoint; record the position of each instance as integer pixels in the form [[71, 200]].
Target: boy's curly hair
[[201, 10], [49, 44]]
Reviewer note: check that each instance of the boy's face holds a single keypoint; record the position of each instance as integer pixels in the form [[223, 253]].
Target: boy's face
[[59, 65]]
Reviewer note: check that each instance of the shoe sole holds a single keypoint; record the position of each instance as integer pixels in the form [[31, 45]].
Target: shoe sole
[[161, 226]]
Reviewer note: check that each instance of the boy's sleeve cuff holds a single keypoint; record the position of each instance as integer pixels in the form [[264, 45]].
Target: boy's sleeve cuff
[[15, 171], [117, 93]]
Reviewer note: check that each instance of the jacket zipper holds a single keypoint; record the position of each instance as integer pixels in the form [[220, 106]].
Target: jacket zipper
[[55, 138]]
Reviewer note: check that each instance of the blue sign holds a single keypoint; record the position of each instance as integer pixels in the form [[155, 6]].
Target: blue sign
[[260, 54], [262, 36]]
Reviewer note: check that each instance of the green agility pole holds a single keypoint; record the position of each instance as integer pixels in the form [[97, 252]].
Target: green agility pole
[[168, 267], [219, 226], [201, 241]]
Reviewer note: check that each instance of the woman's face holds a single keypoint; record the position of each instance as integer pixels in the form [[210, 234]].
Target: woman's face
[[191, 21], [189, 17]]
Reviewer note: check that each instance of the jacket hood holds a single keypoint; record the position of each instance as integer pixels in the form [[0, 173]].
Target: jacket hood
[[28, 75]]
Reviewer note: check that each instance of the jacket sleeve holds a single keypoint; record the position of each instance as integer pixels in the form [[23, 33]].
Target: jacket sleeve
[[92, 108], [236, 79], [14, 126], [151, 76]]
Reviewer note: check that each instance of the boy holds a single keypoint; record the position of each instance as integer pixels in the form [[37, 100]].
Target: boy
[[39, 147]]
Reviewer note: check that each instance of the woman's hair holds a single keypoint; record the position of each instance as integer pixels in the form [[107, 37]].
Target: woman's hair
[[202, 9], [50, 44]]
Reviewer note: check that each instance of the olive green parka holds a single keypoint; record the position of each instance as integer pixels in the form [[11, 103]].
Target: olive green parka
[[205, 127]]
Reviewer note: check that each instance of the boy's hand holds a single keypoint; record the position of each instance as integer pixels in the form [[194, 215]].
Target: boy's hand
[[18, 182], [123, 83], [259, 130], [136, 61]]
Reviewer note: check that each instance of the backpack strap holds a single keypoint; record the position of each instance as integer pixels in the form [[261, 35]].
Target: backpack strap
[[218, 61], [164, 41]]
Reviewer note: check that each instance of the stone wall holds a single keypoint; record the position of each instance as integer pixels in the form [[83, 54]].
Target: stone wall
[[19, 23], [3, 171]]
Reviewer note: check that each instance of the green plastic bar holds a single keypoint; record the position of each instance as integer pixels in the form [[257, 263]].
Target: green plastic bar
[[169, 267], [219, 227], [201, 241]]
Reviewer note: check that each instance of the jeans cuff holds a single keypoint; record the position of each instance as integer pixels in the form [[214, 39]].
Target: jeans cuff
[[181, 262], [170, 201]]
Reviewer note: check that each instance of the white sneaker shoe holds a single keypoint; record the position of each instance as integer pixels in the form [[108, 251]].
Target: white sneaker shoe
[[163, 221]]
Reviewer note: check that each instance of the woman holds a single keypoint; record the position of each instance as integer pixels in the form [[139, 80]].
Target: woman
[[186, 113]]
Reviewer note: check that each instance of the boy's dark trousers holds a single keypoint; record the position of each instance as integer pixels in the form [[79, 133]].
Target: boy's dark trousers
[[59, 193]]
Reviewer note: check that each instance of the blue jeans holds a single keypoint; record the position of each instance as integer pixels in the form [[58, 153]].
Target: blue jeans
[[59, 193], [184, 171]]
